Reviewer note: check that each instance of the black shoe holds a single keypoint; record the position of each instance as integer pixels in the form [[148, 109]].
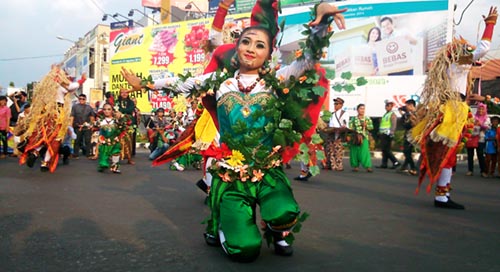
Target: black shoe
[[283, 250], [65, 160], [115, 169], [100, 169], [211, 240], [395, 165], [44, 168], [202, 185], [381, 166], [30, 162], [448, 204], [303, 178]]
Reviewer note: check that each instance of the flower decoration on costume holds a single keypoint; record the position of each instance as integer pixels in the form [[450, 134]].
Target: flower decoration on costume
[[236, 159]]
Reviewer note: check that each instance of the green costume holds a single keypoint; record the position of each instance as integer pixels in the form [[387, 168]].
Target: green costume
[[110, 131], [360, 154], [261, 119]]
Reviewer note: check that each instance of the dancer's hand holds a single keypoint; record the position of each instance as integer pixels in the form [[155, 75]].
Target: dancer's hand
[[132, 79], [475, 97], [492, 16], [227, 2], [325, 9]]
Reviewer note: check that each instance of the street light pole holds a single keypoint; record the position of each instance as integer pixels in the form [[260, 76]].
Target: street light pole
[[131, 13], [118, 14], [191, 4], [59, 37]]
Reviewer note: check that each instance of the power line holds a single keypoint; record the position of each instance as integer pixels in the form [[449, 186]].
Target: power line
[[35, 57], [98, 7]]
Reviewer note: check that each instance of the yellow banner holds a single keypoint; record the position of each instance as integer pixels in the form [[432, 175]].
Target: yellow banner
[[160, 51]]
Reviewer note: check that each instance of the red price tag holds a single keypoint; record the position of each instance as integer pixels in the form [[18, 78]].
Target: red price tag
[[162, 59], [195, 56]]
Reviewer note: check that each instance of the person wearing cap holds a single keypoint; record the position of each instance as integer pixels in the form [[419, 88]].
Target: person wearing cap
[[337, 128], [155, 121], [386, 134], [19, 100], [444, 120], [164, 135], [254, 121], [408, 119], [82, 118]]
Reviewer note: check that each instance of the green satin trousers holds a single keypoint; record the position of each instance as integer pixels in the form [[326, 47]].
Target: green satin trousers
[[238, 230]]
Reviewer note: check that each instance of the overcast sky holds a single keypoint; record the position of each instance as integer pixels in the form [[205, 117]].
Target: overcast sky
[[29, 29]]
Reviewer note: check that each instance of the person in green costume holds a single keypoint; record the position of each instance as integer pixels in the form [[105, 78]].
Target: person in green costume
[[256, 125], [111, 129]]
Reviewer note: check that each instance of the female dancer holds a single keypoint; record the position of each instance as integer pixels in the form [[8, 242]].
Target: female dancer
[[360, 154], [112, 128], [259, 111]]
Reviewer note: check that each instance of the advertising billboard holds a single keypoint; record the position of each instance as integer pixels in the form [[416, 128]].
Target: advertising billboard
[[387, 42]]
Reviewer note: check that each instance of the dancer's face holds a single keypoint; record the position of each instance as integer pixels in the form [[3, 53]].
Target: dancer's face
[[108, 111], [361, 110], [253, 50]]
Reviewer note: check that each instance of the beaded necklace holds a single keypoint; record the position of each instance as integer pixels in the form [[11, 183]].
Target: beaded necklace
[[248, 88]]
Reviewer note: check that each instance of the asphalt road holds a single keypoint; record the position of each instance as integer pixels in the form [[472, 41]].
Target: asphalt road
[[150, 219]]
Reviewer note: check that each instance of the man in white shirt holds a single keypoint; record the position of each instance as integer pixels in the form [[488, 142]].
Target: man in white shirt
[[337, 127]]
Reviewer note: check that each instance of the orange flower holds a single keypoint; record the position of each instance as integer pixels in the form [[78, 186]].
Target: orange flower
[[317, 65], [281, 78], [275, 163], [228, 82], [243, 173], [302, 79], [298, 53], [330, 29], [286, 90], [225, 177], [277, 67], [257, 175]]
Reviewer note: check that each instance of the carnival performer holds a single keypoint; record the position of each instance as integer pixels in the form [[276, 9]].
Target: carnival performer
[[259, 111], [49, 118], [202, 134], [126, 106], [112, 127], [359, 150], [442, 115]]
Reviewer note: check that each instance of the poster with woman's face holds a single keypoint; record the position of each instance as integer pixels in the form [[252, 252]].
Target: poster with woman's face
[[383, 38]]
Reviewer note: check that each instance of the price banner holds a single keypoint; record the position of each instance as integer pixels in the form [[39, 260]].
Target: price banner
[[195, 56], [161, 101], [162, 59]]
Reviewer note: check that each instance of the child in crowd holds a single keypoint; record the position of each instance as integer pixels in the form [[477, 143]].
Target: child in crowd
[[490, 137]]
